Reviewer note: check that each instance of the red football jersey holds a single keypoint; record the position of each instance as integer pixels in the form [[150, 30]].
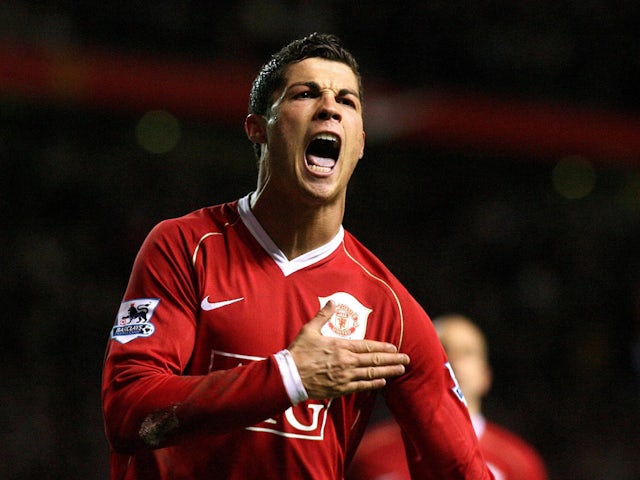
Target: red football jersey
[[191, 384], [509, 456], [381, 455]]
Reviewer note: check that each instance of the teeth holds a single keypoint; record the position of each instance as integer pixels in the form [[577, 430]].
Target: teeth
[[327, 136], [319, 169]]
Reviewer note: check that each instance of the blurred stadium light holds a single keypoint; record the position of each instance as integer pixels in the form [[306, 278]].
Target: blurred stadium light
[[218, 91]]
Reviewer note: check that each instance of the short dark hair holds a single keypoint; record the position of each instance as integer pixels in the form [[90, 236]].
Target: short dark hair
[[271, 75]]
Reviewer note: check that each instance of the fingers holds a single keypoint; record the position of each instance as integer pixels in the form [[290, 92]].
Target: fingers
[[364, 367], [363, 379], [340, 373], [371, 346], [374, 373], [323, 316], [380, 368], [379, 359]]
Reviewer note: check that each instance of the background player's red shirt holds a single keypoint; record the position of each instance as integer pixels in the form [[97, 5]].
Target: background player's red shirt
[[509, 456], [381, 455], [191, 387]]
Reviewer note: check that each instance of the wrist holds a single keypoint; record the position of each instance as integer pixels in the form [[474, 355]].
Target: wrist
[[291, 377]]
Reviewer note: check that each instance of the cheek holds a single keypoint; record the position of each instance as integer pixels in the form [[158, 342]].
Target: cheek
[[465, 371], [278, 137], [285, 133], [358, 143]]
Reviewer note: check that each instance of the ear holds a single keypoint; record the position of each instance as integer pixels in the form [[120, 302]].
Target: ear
[[362, 147], [487, 380], [255, 128]]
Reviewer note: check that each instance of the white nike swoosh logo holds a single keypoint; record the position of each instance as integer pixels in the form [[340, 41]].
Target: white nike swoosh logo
[[206, 305]]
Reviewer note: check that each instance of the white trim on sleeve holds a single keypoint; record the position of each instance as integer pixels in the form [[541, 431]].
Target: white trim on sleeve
[[291, 377]]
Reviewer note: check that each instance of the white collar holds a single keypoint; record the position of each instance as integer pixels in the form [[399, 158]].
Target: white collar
[[479, 424], [287, 266]]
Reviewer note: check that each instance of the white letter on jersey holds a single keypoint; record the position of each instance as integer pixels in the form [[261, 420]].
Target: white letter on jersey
[[291, 418]]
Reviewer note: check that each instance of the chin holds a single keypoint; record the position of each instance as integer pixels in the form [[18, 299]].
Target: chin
[[321, 195]]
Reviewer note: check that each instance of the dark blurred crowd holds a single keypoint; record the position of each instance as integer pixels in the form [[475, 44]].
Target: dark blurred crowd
[[553, 280]]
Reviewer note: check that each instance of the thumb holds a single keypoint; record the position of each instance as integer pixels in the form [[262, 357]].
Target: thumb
[[323, 316]]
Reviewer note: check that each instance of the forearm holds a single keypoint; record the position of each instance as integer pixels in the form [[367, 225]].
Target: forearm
[[152, 410]]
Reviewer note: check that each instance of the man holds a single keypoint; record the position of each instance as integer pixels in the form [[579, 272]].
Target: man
[[253, 335], [381, 456]]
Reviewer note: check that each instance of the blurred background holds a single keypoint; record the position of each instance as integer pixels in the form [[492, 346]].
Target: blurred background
[[501, 180]]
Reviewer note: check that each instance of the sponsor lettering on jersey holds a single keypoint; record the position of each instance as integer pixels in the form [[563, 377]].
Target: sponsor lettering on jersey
[[134, 320], [304, 421], [350, 318]]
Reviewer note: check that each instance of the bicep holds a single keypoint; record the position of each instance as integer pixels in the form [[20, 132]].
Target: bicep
[[437, 430], [153, 335]]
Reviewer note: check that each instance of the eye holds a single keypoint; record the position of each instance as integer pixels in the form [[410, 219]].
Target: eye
[[347, 101], [304, 94]]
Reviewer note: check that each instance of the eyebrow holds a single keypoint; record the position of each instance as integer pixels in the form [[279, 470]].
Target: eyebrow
[[315, 87]]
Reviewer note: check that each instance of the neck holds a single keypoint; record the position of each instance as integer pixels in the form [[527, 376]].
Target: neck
[[297, 229], [473, 405]]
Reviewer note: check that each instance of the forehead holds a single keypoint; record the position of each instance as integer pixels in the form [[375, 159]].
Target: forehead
[[461, 336], [326, 73]]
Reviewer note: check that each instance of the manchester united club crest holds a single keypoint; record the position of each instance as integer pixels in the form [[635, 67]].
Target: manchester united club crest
[[350, 318]]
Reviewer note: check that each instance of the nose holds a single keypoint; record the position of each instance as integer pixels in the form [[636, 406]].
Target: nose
[[328, 109]]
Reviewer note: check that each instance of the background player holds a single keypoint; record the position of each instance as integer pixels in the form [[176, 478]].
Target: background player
[[381, 455], [267, 326]]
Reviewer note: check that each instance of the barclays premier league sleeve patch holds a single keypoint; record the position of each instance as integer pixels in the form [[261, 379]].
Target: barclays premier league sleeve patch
[[134, 319]]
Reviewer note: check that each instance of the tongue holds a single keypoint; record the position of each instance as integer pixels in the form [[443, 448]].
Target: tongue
[[320, 161]]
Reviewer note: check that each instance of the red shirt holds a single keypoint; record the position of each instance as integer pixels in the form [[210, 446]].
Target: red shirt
[[381, 455], [191, 386], [509, 456]]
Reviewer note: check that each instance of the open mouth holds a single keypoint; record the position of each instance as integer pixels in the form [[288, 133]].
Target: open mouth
[[323, 152]]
